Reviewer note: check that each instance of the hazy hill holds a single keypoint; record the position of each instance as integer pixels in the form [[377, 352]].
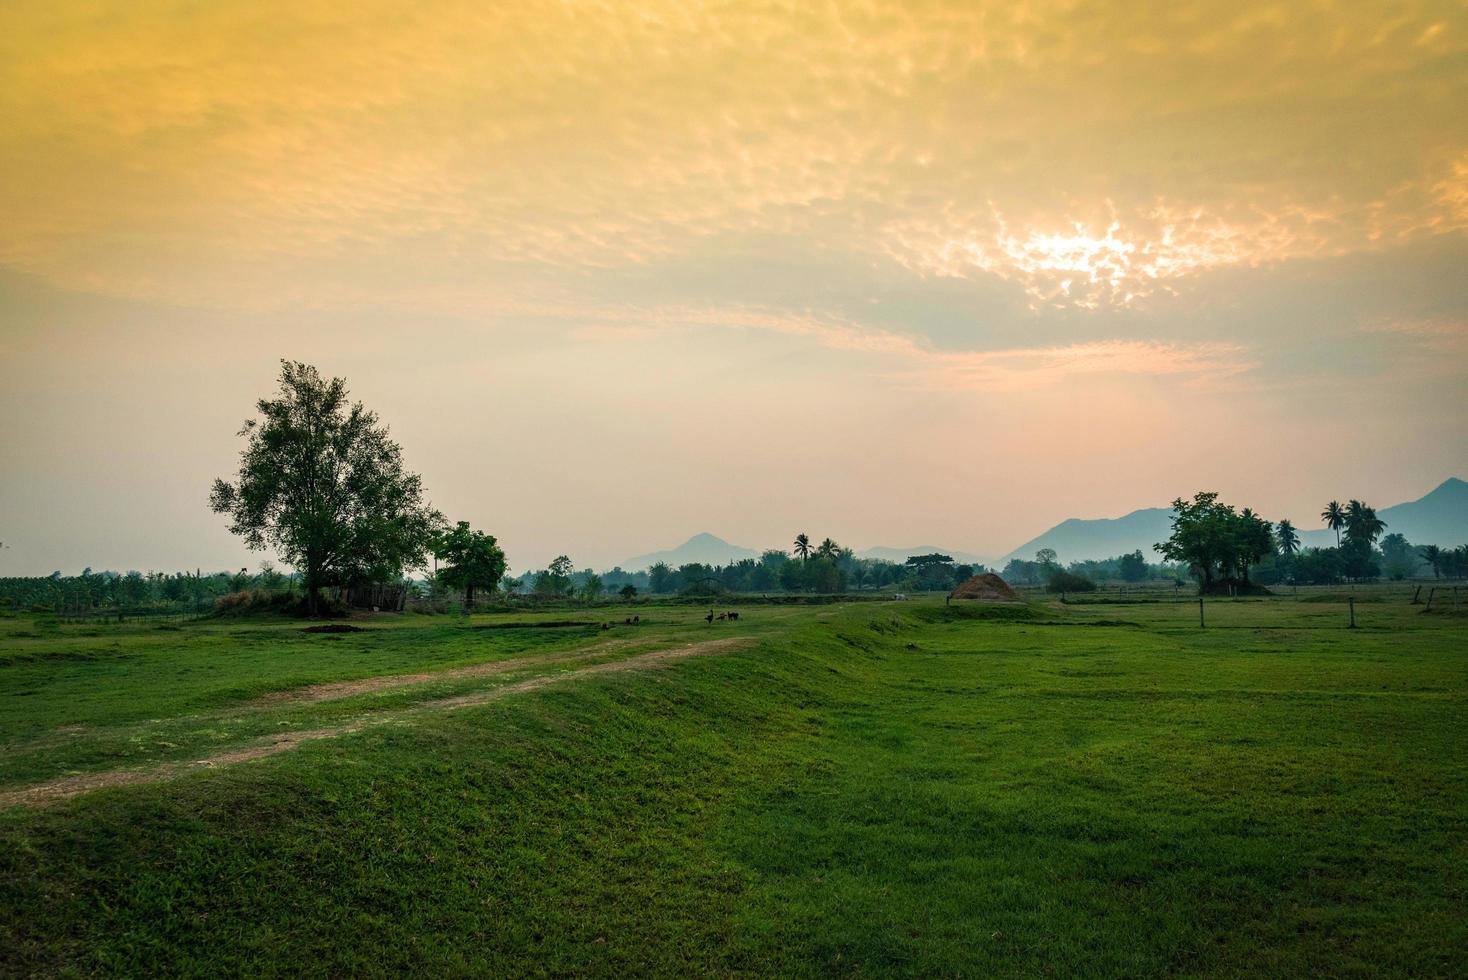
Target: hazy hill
[[1078, 539], [1441, 517], [706, 548], [900, 555]]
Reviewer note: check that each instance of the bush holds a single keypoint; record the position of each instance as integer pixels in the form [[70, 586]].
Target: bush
[[327, 607], [1068, 582], [704, 589], [254, 600]]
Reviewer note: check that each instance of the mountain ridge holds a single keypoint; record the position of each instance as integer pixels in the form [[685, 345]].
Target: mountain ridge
[[1438, 517], [900, 555], [703, 547]]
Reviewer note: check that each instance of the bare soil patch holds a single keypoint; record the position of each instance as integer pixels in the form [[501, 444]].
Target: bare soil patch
[[334, 690], [647, 661]]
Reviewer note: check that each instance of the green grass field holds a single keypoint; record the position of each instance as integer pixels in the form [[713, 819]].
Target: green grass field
[[866, 789]]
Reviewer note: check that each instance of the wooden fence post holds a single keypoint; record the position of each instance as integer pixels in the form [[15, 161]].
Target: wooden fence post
[[1416, 594], [1201, 624], [1430, 593], [1352, 601]]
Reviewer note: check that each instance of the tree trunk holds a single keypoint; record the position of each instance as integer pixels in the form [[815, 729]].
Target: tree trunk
[[313, 586], [469, 596]]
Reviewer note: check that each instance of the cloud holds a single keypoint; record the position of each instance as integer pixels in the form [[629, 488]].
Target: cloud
[[1041, 367], [1434, 345], [1092, 154], [905, 360]]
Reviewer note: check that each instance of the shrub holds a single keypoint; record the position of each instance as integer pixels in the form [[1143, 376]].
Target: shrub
[[1069, 582], [254, 600]]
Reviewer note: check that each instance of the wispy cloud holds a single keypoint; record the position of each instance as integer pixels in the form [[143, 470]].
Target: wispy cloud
[[1093, 156], [1040, 367], [907, 360]]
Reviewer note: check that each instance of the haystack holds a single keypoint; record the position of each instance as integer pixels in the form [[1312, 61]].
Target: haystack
[[986, 587]]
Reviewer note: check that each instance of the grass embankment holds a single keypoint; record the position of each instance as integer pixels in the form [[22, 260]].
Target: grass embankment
[[871, 789]]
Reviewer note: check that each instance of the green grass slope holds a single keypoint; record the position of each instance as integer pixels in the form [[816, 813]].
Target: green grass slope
[[874, 789]]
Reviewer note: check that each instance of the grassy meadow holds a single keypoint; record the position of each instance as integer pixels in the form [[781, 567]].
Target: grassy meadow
[[1088, 788]]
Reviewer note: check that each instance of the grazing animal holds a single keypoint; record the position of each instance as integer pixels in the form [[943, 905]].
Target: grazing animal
[[637, 620], [606, 626], [733, 616], [709, 618], [723, 616]]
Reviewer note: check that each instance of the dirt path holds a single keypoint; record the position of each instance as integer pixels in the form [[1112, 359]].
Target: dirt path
[[65, 787], [334, 690]]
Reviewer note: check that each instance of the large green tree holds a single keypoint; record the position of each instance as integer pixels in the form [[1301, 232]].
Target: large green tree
[[556, 579], [472, 560], [1215, 541], [1253, 541], [660, 578], [1201, 535], [321, 482], [933, 572], [593, 587], [1132, 567]]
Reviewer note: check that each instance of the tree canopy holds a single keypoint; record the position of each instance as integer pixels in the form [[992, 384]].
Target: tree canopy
[[321, 482], [473, 560], [1218, 543]]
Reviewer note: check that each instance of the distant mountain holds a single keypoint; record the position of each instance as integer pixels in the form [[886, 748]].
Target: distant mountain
[[900, 555], [1441, 517], [708, 549], [1083, 540]]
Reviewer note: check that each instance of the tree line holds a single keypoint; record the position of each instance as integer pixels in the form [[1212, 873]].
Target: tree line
[[808, 567], [1238, 550]]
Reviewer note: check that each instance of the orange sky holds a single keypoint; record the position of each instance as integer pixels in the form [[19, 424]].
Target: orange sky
[[899, 273]]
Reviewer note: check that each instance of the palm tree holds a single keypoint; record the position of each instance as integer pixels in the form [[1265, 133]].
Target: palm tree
[[829, 549], [1371, 525], [1362, 524], [1433, 555], [1334, 517], [1289, 541], [802, 546]]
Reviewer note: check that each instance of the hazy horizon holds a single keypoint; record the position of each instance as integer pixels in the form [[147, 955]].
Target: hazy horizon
[[894, 274], [252, 560]]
